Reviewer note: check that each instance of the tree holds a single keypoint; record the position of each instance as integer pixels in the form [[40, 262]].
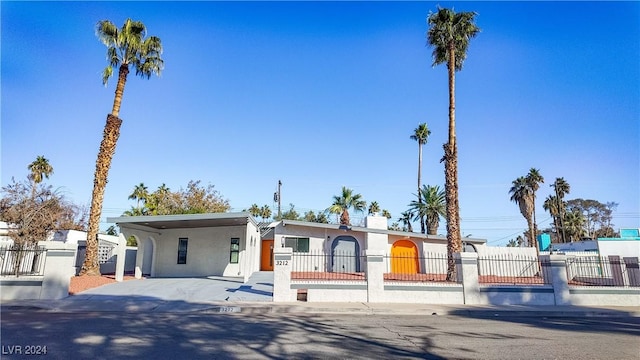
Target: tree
[[254, 210], [395, 227], [111, 230], [574, 225], [374, 208], [290, 214], [125, 46], [386, 214], [534, 179], [40, 169], [345, 201], [421, 135], [552, 204], [432, 206], [449, 34], [140, 193], [34, 211], [596, 216], [561, 188], [265, 212], [522, 194], [405, 219]]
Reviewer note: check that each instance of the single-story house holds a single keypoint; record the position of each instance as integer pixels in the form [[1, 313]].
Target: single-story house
[[194, 245], [341, 243]]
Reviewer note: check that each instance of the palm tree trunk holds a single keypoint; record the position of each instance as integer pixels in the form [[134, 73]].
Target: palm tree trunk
[[122, 79], [107, 149], [419, 181], [454, 243]]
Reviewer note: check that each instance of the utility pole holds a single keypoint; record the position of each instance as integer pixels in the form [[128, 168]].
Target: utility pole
[[276, 197]]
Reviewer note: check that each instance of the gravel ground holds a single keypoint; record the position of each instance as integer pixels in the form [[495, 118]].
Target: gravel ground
[[85, 282]]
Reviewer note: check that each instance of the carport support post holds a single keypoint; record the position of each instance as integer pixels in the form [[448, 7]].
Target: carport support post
[[467, 272], [121, 255], [558, 270], [282, 291], [375, 275]]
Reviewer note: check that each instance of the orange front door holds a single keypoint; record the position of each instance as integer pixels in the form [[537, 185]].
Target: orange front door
[[404, 257], [266, 258]]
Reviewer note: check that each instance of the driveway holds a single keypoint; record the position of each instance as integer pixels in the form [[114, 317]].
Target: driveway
[[259, 287]]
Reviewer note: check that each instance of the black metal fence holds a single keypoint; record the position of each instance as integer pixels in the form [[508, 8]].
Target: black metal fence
[[603, 271], [22, 260], [318, 265], [512, 269]]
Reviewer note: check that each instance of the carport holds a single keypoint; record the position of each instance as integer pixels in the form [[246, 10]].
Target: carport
[[193, 245]]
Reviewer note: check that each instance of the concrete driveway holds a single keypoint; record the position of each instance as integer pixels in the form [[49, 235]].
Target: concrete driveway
[[259, 287]]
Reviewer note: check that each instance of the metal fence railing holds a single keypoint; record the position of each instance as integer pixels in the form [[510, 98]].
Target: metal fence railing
[[409, 266], [603, 271], [318, 265], [510, 269], [22, 260]]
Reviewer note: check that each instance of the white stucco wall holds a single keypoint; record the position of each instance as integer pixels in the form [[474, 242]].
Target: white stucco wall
[[621, 247], [208, 251]]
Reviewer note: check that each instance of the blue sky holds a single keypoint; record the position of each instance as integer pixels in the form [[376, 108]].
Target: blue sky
[[325, 94]]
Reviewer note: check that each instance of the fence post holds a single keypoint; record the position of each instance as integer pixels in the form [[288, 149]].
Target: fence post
[[557, 269], [282, 266], [467, 272], [58, 269], [633, 270], [616, 270], [375, 275]]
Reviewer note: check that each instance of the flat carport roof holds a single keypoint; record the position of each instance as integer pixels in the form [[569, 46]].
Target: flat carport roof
[[185, 221]]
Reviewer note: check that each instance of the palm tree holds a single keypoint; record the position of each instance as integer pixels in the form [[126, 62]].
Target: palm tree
[[345, 201], [421, 135], [254, 210], [522, 194], [574, 223], [125, 46], [534, 179], [265, 212], [552, 205], [386, 214], [432, 207], [140, 193], [406, 218], [40, 169], [449, 34], [561, 188], [374, 208]]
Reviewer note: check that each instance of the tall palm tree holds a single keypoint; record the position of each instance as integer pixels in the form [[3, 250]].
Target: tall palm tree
[[421, 135], [522, 194], [40, 169], [125, 46], [406, 218], [449, 34], [432, 207], [140, 193], [534, 179], [561, 187], [345, 201], [552, 205]]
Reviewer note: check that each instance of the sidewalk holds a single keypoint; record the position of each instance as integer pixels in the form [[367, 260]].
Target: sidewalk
[[149, 304]]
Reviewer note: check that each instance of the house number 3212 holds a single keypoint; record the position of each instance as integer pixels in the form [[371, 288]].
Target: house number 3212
[[282, 262]]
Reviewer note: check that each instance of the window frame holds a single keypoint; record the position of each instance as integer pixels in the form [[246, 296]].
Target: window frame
[[297, 240], [234, 251], [182, 254]]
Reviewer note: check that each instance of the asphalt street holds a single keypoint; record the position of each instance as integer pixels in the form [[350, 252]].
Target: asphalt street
[[165, 335]]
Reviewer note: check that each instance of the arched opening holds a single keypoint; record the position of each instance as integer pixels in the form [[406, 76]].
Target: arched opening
[[345, 252], [147, 259], [404, 257]]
